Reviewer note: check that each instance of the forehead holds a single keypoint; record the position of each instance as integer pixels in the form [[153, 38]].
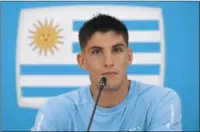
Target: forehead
[[107, 39]]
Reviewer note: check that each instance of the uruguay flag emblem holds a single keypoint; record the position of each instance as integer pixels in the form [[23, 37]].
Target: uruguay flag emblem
[[47, 45]]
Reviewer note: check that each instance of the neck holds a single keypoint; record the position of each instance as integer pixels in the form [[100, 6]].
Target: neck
[[110, 99]]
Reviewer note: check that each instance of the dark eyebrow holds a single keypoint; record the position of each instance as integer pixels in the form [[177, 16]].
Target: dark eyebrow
[[98, 47], [95, 47], [118, 45]]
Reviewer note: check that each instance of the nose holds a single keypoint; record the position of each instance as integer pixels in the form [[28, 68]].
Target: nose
[[108, 60]]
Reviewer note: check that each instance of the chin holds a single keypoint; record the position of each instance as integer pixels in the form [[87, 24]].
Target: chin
[[112, 86]]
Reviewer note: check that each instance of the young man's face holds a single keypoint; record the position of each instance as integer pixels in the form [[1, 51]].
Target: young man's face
[[106, 54]]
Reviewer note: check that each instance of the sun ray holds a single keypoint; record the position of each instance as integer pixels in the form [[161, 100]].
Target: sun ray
[[31, 43], [35, 48], [30, 37], [59, 30], [40, 52], [46, 22], [60, 42], [45, 52], [55, 27], [40, 23], [51, 23], [35, 26], [51, 51], [56, 47], [31, 31], [60, 37]]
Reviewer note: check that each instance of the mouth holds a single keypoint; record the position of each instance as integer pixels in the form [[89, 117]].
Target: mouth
[[109, 73]]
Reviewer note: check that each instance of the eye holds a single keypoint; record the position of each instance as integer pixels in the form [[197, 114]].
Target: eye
[[96, 51], [117, 49]]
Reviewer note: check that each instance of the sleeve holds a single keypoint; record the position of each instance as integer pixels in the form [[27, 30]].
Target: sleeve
[[167, 114], [44, 120]]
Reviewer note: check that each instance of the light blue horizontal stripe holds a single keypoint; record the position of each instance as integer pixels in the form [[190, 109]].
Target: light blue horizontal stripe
[[145, 47], [76, 70], [45, 91], [137, 47], [130, 24], [144, 69]]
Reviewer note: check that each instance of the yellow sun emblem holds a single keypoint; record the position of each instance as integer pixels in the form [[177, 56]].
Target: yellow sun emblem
[[45, 37]]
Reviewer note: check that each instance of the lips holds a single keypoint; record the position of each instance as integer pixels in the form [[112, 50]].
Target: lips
[[109, 73]]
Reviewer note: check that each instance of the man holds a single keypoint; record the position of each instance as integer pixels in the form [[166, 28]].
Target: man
[[124, 105]]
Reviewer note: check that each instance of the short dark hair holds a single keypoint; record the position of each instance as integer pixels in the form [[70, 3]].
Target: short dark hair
[[101, 23]]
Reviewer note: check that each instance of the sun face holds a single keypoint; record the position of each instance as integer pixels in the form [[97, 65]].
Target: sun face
[[46, 37]]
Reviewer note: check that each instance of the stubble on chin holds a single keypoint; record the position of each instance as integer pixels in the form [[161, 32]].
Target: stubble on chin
[[112, 88]]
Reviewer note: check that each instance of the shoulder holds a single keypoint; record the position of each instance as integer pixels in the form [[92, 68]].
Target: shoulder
[[55, 113], [64, 103], [156, 94], [163, 107]]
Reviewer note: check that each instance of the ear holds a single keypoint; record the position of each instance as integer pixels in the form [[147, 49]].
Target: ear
[[81, 60], [130, 56]]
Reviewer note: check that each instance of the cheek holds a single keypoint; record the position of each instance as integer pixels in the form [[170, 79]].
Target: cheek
[[93, 65], [121, 60]]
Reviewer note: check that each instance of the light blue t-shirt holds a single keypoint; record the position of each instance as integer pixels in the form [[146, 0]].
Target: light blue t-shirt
[[146, 107]]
